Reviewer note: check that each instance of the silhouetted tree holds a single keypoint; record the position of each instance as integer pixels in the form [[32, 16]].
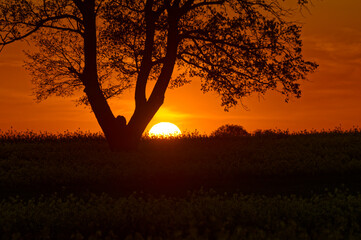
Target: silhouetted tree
[[236, 47], [229, 130]]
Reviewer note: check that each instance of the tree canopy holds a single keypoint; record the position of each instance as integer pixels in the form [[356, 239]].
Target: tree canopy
[[236, 48]]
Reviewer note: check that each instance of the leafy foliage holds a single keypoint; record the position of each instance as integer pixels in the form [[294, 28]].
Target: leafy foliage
[[235, 47]]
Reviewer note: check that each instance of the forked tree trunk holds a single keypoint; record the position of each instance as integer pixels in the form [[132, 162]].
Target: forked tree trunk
[[126, 137], [120, 135]]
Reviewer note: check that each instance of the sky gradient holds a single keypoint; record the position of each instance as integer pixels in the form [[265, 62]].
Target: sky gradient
[[330, 98]]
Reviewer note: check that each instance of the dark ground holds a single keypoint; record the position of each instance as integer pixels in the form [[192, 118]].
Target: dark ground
[[273, 185]]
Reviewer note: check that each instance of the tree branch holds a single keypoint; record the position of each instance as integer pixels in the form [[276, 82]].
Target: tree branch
[[37, 26], [189, 6], [146, 64]]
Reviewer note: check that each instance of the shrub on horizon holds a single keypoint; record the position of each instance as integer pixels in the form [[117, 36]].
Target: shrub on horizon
[[230, 130]]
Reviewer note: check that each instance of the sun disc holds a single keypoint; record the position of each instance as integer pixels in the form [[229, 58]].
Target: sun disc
[[164, 129]]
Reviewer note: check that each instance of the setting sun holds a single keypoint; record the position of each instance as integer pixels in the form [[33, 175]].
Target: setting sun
[[164, 129]]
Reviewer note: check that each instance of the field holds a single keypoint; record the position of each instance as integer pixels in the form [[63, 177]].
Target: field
[[269, 185]]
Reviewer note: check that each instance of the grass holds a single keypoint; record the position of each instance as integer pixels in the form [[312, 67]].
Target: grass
[[268, 185]]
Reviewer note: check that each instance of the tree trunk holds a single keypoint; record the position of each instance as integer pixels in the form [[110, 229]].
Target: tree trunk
[[117, 133], [120, 135]]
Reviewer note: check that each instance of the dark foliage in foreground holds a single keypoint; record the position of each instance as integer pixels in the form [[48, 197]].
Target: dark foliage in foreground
[[71, 186], [199, 216]]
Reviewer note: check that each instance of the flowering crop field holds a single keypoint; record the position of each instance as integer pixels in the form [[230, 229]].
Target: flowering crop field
[[269, 185]]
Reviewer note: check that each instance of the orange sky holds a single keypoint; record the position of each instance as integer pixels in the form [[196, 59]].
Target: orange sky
[[331, 97]]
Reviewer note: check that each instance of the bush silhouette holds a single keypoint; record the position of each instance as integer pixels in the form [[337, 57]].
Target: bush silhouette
[[229, 130]]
